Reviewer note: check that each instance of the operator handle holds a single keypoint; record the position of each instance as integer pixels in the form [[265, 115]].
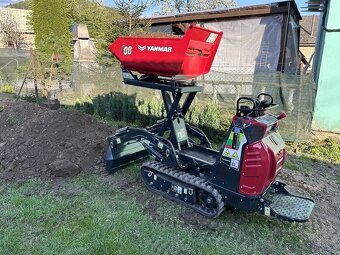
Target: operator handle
[[247, 99], [281, 116], [266, 95], [238, 110]]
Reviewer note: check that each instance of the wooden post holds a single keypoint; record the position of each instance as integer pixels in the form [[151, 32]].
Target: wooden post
[[50, 80], [41, 74], [33, 65]]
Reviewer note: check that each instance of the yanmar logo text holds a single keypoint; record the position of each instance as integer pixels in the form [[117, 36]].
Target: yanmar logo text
[[155, 48]]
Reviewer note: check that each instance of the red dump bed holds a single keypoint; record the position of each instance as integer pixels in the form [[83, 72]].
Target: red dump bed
[[185, 57]]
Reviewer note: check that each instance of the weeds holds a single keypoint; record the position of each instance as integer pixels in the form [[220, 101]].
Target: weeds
[[294, 167], [328, 149], [8, 88], [12, 120], [337, 179]]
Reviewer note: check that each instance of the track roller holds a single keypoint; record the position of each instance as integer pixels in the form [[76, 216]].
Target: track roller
[[192, 191]]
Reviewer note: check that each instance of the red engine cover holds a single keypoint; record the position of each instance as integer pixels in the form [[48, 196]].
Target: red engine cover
[[262, 161]]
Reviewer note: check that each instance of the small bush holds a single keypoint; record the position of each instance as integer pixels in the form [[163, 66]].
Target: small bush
[[211, 119], [123, 107], [328, 149], [8, 88], [100, 108], [30, 98], [87, 105], [120, 107], [150, 110], [77, 104], [12, 120]]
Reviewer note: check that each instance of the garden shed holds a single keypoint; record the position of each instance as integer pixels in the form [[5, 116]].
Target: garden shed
[[256, 38]]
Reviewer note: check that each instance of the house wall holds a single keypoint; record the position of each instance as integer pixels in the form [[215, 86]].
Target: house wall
[[327, 107], [308, 51], [20, 16]]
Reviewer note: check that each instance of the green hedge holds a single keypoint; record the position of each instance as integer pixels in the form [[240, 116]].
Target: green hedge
[[120, 107], [85, 104]]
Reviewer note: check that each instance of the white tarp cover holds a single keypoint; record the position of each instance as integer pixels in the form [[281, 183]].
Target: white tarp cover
[[250, 45], [292, 60]]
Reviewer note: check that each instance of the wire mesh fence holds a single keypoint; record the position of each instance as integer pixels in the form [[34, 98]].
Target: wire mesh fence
[[295, 94]]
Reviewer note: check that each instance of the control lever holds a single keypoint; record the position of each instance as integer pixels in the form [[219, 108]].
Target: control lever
[[281, 116]]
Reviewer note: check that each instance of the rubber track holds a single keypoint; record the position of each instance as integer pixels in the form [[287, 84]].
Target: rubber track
[[183, 177]]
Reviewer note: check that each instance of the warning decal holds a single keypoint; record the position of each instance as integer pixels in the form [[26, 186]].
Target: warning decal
[[212, 37], [226, 153], [233, 146]]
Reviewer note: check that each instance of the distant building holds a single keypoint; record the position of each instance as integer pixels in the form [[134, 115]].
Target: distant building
[[20, 18], [308, 34]]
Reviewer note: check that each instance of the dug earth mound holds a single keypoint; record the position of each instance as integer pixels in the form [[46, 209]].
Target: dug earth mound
[[39, 143]]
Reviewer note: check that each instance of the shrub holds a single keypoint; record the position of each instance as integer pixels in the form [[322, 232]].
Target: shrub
[[120, 107], [77, 104], [150, 110], [327, 149], [209, 119], [8, 88], [87, 105], [100, 108]]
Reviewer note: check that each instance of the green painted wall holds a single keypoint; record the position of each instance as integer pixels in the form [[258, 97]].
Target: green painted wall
[[327, 107]]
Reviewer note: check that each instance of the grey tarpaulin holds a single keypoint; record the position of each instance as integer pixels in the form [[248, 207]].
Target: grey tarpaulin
[[252, 44]]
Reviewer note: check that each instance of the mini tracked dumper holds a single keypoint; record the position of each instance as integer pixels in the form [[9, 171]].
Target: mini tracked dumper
[[186, 169]]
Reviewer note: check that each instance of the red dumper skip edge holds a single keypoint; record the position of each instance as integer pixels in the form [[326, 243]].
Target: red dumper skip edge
[[183, 58]]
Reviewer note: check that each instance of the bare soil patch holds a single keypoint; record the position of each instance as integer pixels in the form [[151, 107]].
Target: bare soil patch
[[321, 182], [39, 143]]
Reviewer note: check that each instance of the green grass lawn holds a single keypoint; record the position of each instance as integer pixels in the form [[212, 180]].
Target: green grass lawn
[[93, 216]]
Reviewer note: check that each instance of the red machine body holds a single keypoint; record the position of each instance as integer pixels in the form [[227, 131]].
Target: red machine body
[[183, 58], [262, 161]]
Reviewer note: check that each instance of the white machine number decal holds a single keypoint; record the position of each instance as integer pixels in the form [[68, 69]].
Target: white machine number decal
[[127, 50]]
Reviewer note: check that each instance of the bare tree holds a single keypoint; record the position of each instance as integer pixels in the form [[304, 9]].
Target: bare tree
[[180, 6], [131, 10], [10, 34]]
